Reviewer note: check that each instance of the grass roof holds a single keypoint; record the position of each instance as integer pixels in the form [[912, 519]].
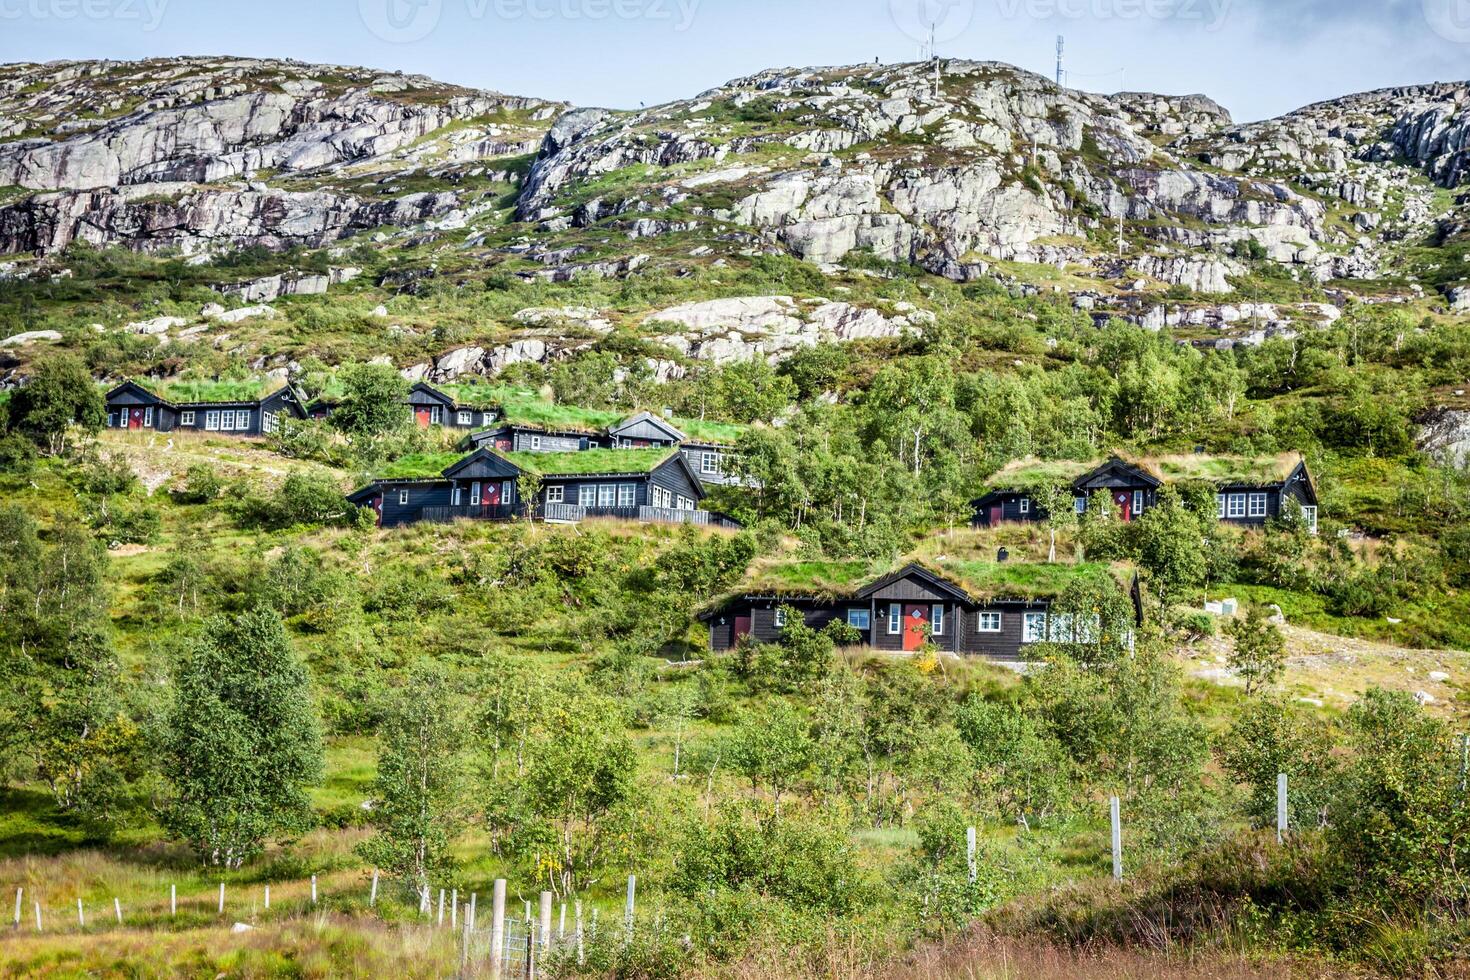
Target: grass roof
[[420, 466], [590, 462], [1032, 474], [523, 406], [238, 390], [982, 580], [473, 395]]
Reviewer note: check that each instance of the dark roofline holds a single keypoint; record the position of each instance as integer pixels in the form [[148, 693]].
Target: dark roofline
[[914, 569]]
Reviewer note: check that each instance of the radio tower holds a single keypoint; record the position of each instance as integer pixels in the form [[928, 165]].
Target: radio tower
[[1061, 72]]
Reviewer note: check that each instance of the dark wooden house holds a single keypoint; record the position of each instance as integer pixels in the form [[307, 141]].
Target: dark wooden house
[[132, 406], [898, 612], [432, 407], [653, 486], [530, 439], [644, 431], [1251, 500]]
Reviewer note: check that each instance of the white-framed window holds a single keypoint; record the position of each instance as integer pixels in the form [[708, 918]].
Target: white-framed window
[[1236, 505], [780, 618], [709, 463], [488, 418], [859, 619], [607, 494], [211, 421], [112, 420], [1025, 505], [936, 620], [1137, 502], [988, 622], [895, 619], [1220, 506], [663, 498], [457, 497], [686, 503], [186, 418], [1081, 505], [242, 420], [556, 494], [268, 422], [535, 444], [148, 418], [627, 494], [436, 415], [474, 495], [403, 498], [1309, 514], [1034, 628], [466, 418], [1258, 505]]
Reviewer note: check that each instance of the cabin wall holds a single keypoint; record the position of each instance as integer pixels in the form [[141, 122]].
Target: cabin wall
[[420, 496], [531, 442], [671, 476]]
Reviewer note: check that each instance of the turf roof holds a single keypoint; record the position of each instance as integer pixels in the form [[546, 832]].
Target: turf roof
[[1032, 474], [238, 390], [980, 579], [593, 461]]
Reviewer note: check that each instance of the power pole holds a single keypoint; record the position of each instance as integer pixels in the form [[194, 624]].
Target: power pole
[[1061, 48]]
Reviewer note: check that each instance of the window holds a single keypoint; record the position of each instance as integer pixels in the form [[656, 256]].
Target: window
[[663, 498], [895, 619], [1220, 506], [242, 421], [148, 418], [268, 422], [466, 418], [403, 498], [1137, 502], [457, 497], [1034, 630], [988, 622], [535, 444], [1236, 505], [186, 418], [936, 620], [1025, 505], [487, 418], [1081, 505], [685, 503], [474, 495], [627, 494], [709, 463], [1258, 505], [607, 494], [436, 415], [211, 421], [556, 495], [859, 619], [1309, 514], [781, 618]]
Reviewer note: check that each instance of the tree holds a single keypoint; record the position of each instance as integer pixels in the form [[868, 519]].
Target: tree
[[1258, 654], [418, 795], [61, 392], [373, 400], [773, 748], [1058, 504], [1170, 540], [242, 740]]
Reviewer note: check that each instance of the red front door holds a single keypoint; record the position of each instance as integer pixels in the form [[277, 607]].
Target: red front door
[[377, 505], [1124, 500], [915, 626], [742, 628], [997, 514], [490, 499], [422, 416], [135, 418]]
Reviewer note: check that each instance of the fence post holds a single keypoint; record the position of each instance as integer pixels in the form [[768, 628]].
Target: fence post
[[441, 907], [18, 893], [222, 898], [38, 916], [628, 909], [81, 919], [594, 925], [267, 898], [117, 907], [1117, 821], [470, 918], [531, 949], [561, 924], [373, 896], [454, 909], [543, 936], [1281, 814], [970, 852], [497, 929], [581, 952], [173, 901], [313, 889], [1464, 760], [425, 906]]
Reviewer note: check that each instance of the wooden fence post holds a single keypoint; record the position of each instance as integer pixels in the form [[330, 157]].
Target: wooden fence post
[[453, 909], [581, 949], [497, 929], [38, 916], [628, 909], [470, 921], [313, 889], [267, 898], [1281, 814], [18, 893], [117, 907], [173, 901], [970, 852], [1117, 822], [561, 924], [373, 896], [543, 936], [222, 898], [81, 919], [441, 907]]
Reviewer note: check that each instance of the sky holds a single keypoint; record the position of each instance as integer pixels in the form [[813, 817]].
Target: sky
[[1258, 58]]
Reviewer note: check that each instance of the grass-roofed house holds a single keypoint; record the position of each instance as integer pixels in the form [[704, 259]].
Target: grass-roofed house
[[985, 609], [649, 485], [1249, 490], [242, 408]]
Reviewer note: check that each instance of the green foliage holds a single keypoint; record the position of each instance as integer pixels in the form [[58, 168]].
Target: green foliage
[[372, 401], [60, 393], [241, 740], [1258, 651]]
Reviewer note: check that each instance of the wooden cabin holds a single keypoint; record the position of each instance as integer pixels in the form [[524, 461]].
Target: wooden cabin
[[649, 485], [432, 407], [530, 439], [1250, 491], [132, 406], [901, 611]]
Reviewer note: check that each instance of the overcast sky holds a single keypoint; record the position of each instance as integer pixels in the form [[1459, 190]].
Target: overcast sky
[[1257, 57]]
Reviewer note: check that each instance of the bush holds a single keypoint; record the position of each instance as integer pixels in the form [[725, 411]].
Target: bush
[[202, 485]]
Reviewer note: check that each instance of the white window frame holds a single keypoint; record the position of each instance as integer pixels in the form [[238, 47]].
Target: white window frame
[[627, 495], [1220, 506], [436, 415], [989, 622], [403, 498], [1309, 514], [1033, 628], [1257, 505], [556, 494], [148, 417], [269, 422], [242, 420], [466, 418], [607, 494], [779, 619], [685, 503], [895, 619], [1080, 505], [709, 463], [1137, 502], [211, 421], [867, 619], [1236, 505], [936, 619], [457, 497], [1025, 505], [535, 444], [487, 418], [475, 494], [187, 418]]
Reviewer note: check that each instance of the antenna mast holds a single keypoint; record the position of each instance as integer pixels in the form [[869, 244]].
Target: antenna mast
[[1061, 48]]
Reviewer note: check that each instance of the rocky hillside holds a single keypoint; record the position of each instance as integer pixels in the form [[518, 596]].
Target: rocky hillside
[[1152, 208]]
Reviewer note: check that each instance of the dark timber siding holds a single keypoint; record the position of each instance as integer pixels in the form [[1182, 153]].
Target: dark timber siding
[[671, 476]]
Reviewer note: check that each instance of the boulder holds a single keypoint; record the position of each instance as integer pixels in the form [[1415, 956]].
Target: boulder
[[30, 337]]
